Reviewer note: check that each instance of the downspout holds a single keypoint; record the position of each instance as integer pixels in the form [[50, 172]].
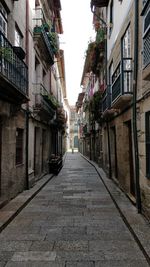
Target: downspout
[[27, 105], [135, 137], [107, 124]]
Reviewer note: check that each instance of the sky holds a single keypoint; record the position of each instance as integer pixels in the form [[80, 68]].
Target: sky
[[78, 30]]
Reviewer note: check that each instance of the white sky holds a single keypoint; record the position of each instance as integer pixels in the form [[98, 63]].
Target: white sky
[[77, 25]]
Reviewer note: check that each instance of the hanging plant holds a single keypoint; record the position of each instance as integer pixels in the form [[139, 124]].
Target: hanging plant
[[95, 106], [53, 38]]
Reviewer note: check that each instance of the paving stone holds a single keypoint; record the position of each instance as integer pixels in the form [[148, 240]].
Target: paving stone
[[15, 245], [42, 246], [80, 264], [34, 256], [34, 264], [71, 246], [122, 263], [74, 230], [22, 237]]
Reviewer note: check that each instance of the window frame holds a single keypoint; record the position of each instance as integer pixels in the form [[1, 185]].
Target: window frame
[[18, 32], [126, 61]]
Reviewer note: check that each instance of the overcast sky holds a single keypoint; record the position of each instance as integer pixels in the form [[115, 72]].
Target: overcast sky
[[78, 28]]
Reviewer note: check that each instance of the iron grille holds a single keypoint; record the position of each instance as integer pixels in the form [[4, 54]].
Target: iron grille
[[116, 88], [146, 49], [13, 68]]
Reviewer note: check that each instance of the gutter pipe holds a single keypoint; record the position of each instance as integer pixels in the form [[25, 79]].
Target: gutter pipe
[[135, 137], [27, 105]]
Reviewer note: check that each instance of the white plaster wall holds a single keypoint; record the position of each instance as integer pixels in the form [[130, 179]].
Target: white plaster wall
[[121, 10]]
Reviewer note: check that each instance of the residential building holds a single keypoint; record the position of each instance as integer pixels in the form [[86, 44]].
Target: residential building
[[13, 93], [73, 128], [32, 115], [124, 104]]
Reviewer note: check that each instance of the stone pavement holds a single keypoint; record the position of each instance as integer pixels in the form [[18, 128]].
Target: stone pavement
[[74, 220]]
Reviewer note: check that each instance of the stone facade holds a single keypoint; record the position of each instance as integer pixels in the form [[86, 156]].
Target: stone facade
[[32, 118], [117, 134]]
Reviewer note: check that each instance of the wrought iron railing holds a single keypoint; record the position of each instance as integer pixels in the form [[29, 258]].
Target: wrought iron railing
[[12, 67], [116, 88], [40, 30], [122, 79], [106, 103], [146, 49], [41, 93]]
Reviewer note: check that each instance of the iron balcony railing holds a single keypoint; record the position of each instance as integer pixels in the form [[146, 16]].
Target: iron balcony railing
[[43, 99], [11, 67], [122, 79], [106, 102], [40, 31], [116, 88], [146, 49]]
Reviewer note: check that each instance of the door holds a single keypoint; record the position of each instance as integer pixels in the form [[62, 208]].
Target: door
[[114, 152], [37, 159], [132, 183], [43, 149]]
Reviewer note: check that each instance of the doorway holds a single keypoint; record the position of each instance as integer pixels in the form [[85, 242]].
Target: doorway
[[132, 183], [36, 151], [43, 149], [114, 163]]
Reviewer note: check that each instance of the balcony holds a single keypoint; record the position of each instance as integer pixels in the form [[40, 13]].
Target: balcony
[[41, 36], [45, 104], [61, 118], [13, 74], [42, 41], [122, 85], [108, 111], [99, 3]]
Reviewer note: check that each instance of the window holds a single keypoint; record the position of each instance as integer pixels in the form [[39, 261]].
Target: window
[[3, 20], [18, 37], [19, 146], [147, 132], [110, 73], [126, 43], [116, 74], [126, 61], [146, 35], [111, 19]]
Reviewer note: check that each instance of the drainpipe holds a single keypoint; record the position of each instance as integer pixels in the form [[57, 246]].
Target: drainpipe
[[27, 105], [135, 137], [107, 124]]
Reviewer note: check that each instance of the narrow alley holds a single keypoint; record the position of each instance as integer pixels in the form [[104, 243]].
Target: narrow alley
[[75, 220]]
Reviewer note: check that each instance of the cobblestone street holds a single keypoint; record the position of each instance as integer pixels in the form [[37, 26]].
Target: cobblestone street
[[73, 222]]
